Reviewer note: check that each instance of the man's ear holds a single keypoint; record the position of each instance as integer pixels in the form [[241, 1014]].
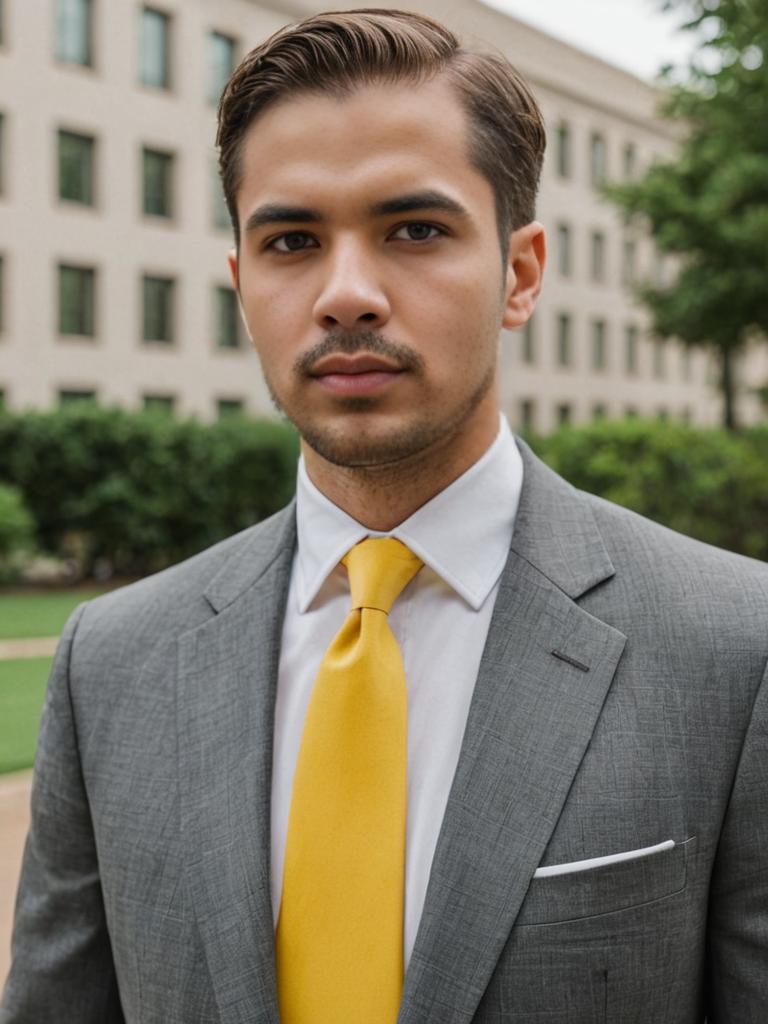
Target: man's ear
[[525, 270], [232, 261]]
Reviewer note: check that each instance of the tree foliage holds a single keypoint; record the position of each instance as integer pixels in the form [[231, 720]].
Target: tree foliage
[[708, 206]]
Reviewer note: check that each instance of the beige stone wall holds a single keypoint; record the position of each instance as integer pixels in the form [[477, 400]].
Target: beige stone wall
[[37, 231]]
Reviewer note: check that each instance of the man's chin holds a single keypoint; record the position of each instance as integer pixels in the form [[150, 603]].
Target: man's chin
[[360, 449]]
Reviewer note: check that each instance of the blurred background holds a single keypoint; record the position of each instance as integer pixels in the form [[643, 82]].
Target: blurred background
[[135, 428]]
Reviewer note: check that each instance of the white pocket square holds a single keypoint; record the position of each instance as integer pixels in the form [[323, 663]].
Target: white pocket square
[[599, 862]]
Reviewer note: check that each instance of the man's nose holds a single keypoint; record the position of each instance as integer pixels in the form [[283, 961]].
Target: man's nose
[[352, 292]]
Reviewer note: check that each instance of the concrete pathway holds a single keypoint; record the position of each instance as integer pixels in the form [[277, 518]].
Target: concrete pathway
[[14, 822], [31, 647]]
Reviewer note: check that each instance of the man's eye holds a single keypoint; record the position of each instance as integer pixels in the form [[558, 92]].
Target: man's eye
[[418, 232], [292, 241]]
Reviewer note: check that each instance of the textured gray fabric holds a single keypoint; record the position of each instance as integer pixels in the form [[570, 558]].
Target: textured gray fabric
[[621, 702]]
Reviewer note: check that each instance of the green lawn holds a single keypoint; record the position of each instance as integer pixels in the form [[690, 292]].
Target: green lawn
[[22, 689], [35, 614]]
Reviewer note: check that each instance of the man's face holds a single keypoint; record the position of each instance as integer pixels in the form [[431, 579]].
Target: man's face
[[369, 271]]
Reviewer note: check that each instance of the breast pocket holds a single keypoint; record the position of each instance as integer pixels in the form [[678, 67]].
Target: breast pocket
[[606, 888]]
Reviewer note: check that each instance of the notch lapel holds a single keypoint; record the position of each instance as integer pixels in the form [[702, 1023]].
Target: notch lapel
[[545, 672], [227, 687]]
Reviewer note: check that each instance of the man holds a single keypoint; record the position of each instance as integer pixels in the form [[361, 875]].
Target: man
[[229, 821]]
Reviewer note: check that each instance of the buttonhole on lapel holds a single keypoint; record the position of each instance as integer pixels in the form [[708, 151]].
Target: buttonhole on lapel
[[571, 661]]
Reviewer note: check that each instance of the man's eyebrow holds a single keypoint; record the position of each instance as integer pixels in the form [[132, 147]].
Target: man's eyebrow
[[277, 213], [430, 199]]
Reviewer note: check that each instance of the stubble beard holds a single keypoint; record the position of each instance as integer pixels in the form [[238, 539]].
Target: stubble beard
[[353, 448]]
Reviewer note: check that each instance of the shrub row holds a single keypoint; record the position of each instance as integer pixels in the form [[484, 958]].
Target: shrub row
[[143, 491], [140, 490], [709, 484]]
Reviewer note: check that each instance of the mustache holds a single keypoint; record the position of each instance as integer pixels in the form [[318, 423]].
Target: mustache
[[349, 343]]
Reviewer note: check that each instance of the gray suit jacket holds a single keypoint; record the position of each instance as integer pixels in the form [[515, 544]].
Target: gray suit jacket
[[621, 702]]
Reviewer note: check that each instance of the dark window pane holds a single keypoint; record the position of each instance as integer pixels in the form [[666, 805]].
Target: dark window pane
[[221, 63], [529, 342], [158, 309], [73, 32], [630, 360], [69, 397], [597, 159], [220, 212], [564, 150], [564, 249], [597, 257], [76, 300], [227, 319], [76, 167], [564, 339], [563, 413], [158, 183], [227, 407], [599, 355], [162, 404], [154, 49]]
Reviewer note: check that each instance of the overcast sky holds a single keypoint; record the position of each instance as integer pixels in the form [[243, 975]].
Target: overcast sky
[[629, 33]]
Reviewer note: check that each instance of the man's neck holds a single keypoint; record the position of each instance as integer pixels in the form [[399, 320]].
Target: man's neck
[[382, 497]]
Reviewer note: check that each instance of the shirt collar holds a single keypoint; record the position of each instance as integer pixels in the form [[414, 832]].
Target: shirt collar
[[470, 561]]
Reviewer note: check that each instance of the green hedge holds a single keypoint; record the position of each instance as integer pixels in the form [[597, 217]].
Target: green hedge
[[143, 490], [710, 484]]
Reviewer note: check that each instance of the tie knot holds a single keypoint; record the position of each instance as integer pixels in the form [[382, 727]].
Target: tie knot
[[379, 569]]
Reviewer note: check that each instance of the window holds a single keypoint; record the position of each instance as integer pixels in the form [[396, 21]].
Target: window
[[564, 339], [597, 160], [599, 354], [686, 415], [563, 414], [630, 412], [230, 407], [630, 350], [68, 396], [154, 49], [629, 161], [662, 414], [76, 167], [529, 343], [2, 153], [157, 174], [158, 308], [76, 300], [564, 249], [685, 362], [629, 262], [563, 150], [2, 399], [227, 319], [221, 63], [220, 217], [598, 411], [659, 362], [527, 414], [597, 256], [74, 32], [162, 405]]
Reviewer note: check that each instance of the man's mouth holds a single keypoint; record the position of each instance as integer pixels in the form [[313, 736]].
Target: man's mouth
[[359, 374]]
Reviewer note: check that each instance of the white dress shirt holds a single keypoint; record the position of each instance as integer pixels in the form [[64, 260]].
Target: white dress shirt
[[440, 621]]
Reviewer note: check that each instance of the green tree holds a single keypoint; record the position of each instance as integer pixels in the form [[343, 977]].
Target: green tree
[[708, 206]]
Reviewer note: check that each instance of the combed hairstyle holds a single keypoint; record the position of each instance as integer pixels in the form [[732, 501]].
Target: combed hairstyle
[[339, 51]]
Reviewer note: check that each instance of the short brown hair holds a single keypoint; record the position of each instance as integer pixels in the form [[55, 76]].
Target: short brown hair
[[337, 52]]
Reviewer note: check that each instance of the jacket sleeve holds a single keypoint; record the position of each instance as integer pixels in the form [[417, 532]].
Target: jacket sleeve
[[62, 966], [737, 975]]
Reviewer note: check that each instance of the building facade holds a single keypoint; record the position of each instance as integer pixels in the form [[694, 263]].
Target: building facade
[[114, 235]]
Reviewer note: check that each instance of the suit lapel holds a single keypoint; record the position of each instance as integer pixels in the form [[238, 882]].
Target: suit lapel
[[227, 684], [544, 676]]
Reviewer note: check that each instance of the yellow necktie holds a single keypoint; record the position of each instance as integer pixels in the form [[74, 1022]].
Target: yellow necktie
[[339, 941]]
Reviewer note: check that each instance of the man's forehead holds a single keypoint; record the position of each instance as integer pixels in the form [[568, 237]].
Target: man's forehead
[[378, 143]]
